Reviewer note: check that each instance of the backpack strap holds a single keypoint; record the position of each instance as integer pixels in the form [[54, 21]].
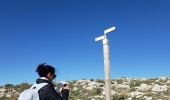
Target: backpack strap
[[38, 86]]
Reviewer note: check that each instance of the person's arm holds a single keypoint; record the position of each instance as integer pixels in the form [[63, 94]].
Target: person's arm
[[49, 93], [65, 94]]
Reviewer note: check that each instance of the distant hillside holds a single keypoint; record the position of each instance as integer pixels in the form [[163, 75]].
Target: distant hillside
[[122, 89]]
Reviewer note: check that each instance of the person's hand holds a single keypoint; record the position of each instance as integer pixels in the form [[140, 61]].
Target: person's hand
[[67, 87]]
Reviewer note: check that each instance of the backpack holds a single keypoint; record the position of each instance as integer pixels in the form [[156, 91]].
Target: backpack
[[32, 93]]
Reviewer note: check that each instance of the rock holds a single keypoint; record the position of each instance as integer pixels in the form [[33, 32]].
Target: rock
[[168, 82], [163, 78], [158, 88], [89, 88], [75, 88], [134, 94], [144, 87], [113, 92], [123, 86], [147, 98], [8, 95]]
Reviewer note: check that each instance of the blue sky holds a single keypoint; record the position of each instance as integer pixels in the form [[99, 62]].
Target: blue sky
[[61, 33]]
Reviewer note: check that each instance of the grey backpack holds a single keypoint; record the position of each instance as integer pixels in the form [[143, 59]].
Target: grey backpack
[[32, 93]]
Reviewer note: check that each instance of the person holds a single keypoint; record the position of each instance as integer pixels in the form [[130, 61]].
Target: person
[[48, 92]]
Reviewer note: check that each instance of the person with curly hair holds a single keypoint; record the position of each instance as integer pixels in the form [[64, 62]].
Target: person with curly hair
[[48, 92]]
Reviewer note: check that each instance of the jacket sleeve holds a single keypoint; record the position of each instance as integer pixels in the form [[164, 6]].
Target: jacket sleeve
[[65, 94], [49, 93]]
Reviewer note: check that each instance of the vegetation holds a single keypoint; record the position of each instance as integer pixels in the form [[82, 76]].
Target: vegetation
[[135, 83], [94, 89], [14, 90], [120, 97]]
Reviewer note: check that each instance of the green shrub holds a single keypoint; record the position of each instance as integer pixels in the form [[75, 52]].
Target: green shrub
[[24, 86], [95, 91], [120, 97], [100, 81], [119, 81], [135, 83], [149, 81], [133, 89]]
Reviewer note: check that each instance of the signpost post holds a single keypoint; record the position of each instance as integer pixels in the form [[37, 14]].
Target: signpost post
[[106, 61]]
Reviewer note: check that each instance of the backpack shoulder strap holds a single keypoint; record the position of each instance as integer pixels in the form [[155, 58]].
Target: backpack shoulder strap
[[38, 86]]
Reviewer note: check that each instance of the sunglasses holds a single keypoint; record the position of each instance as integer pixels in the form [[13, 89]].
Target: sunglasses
[[54, 76]]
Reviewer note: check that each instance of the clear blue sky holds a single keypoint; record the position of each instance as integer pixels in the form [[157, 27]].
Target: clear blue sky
[[61, 33]]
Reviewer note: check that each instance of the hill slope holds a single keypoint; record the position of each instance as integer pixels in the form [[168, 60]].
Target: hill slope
[[121, 89]]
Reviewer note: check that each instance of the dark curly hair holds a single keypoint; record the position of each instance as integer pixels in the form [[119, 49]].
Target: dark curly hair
[[43, 70]]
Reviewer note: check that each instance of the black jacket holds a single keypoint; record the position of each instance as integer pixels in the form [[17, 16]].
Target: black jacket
[[48, 92]]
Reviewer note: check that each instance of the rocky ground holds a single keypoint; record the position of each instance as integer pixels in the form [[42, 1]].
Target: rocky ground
[[121, 89]]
